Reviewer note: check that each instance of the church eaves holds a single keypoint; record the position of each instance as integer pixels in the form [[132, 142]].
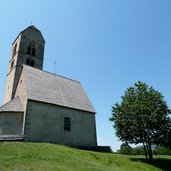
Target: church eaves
[[50, 88]]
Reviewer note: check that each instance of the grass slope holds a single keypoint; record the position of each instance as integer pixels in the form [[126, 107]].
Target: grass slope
[[22, 156]]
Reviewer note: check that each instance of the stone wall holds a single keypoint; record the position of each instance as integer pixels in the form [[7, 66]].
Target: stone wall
[[11, 123], [21, 90], [13, 73], [45, 123]]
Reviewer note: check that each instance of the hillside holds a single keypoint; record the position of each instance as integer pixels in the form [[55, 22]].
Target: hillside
[[22, 156]]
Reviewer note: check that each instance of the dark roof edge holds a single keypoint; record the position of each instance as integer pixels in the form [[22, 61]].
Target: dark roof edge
[[63, 106]]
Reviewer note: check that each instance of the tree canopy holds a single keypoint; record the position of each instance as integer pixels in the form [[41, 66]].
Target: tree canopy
[[142, 117]]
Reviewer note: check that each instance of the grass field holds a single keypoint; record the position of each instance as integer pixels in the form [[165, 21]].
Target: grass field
[[22, 156]]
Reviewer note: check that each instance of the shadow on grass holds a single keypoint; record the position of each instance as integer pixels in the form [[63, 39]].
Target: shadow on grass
[[161, 163]]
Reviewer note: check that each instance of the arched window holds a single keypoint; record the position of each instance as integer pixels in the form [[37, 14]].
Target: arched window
[[28, 61], [29, 50], [12, 64], [33, 51], [32, 63], [14, 50]]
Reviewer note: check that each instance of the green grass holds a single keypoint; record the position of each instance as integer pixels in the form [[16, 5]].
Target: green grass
[[22, 156]]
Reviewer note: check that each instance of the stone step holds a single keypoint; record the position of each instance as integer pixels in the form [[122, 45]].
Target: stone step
[[11, 137]]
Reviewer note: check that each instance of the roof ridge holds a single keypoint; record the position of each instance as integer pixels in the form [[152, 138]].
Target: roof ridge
[[31, 26], [56, 75]]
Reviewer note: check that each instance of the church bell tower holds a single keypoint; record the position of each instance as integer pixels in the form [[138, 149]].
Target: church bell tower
[[28, 49]]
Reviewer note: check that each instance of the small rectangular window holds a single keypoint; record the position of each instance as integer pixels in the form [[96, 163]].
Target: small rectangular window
[[67, 124], [12, 64]]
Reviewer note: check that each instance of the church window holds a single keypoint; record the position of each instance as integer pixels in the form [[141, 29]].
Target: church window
[[29, 50], [28, 61], [67, 124], [33, 51], [32, 63], [12, 64], [14, 50]]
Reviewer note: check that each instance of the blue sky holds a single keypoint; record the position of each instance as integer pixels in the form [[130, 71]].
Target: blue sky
[[107, 45]]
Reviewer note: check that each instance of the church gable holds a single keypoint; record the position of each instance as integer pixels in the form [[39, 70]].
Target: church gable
[[33, 29], [54, 89], [30, 29]]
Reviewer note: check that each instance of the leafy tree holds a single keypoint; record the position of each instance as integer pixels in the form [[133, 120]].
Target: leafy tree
[[142, 117], [164, 136], [125, 149], [139, 150], [162, 151]]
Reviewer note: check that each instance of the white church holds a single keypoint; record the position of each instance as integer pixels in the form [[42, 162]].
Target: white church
[[40, 106]]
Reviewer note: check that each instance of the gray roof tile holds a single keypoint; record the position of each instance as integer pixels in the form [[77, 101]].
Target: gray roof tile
[[50, 88], [13, 106]]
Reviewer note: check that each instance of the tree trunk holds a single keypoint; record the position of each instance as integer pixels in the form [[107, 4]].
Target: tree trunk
[[149, 152], [145, 150]]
